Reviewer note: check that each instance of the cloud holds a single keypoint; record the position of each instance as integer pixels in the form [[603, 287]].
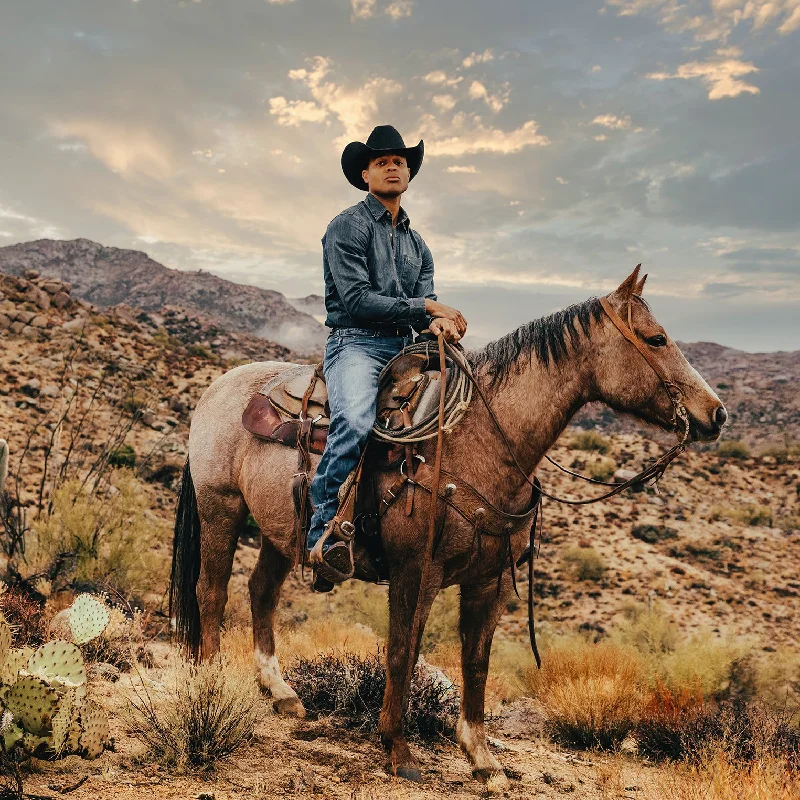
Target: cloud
[[612, 121], [121, 146], [477, 58], [720, 20], [445, 102], [362, 9], [441, 78], [365, 9], [356, 108], [398, 9], [482, 139], [469, 169], [477, 91], [720, 74]]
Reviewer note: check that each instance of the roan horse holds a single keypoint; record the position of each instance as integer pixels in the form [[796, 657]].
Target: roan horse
[[536, 379]]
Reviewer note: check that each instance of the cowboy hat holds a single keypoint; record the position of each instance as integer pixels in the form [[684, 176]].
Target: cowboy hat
[[383, 140]]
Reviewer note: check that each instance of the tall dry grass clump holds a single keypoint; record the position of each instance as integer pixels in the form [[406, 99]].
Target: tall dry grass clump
[[721, 778], [194, 715], [592, 693]]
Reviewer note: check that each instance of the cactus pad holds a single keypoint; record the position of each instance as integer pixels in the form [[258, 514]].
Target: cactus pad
[[33, 703], [12, 736], [5, 639], [58, 660], [95, 733], [62, 721], [16, 660], [88, 618]]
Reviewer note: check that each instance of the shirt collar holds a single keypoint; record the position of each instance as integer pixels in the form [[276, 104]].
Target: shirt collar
[[379, 210]]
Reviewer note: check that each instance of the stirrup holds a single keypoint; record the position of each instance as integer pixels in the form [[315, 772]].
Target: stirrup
[[338, 571]]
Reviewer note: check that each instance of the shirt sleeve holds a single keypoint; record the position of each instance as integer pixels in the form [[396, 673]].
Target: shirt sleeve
[[346, 244], [424, 289]]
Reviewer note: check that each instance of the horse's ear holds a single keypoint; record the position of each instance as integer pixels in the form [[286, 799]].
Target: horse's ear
[[640, 286], [628, 286]]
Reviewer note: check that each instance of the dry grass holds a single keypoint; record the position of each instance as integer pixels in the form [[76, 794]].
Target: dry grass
[[191, 716], [591, 441], [601, 469], [720, 778], [585, 563], [749, 514], [733, 448], [592, 693]]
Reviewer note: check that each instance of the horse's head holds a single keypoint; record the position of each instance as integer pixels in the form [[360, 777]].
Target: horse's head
[[643, 372]]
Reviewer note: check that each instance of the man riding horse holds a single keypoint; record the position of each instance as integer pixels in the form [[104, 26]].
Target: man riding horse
[[378, 287]]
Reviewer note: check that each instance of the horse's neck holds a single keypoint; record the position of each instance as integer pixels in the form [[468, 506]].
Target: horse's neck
[[533, 407]]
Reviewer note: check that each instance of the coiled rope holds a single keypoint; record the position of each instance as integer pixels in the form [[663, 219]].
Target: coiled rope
[[457, 396]]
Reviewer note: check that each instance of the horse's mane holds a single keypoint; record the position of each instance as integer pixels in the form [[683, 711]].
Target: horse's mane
[[547, 337]]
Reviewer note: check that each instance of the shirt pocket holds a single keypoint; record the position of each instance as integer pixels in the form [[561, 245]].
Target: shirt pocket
[[411, 268]]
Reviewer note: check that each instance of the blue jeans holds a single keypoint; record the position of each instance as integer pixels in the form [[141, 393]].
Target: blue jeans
[[354, 358]]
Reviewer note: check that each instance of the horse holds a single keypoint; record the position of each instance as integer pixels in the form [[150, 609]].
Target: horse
[[535, 379]]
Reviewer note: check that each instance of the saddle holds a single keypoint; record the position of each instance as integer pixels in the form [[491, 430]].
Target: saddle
[[292, 409], [409, 392]]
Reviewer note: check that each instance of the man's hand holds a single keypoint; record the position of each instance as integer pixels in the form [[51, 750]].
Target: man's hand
[[440, 311], [447, 328]]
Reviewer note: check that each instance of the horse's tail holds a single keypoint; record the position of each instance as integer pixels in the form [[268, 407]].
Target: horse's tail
[[186, 568]]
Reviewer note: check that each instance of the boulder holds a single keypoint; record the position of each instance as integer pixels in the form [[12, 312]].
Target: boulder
[[31, 274], [5, 322], [51, 390], [17, 326], [61, 300], [39, 321], [25, 317]]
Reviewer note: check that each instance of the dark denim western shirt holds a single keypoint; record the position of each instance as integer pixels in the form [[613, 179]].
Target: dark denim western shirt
[[375, 275]]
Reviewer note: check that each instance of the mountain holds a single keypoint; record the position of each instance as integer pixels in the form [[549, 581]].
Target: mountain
[[107, 276]]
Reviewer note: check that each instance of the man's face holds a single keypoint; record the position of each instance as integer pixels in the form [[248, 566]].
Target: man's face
[[387, 176]]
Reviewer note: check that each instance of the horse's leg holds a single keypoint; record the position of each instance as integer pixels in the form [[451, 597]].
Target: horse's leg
[[221, 516], [481, 608], [400, 652], [265, 587]]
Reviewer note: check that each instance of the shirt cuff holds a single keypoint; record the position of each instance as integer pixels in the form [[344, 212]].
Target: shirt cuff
[[418, 315]]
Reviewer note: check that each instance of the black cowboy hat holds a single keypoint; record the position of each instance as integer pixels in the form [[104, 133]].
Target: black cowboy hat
[[383, 140]]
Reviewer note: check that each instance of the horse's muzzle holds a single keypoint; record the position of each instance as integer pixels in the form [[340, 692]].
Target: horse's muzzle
[[709, 431]]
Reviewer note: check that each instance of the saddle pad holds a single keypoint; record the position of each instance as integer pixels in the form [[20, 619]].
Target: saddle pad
[[287, 388]]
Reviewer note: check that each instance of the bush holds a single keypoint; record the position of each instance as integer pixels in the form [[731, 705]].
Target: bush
[[351, 687], [198, 715], [585, 563], [601, 470], [591, 693], [665, 720], [123, 456], [92, 541], [653, 534], [590, 440], [647, 629], [25, 614], [733, 448], [749, 514]]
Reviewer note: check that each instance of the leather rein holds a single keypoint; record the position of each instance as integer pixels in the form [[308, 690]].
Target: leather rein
[[652, 472]]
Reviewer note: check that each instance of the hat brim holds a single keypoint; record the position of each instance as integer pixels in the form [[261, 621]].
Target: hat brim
[[357, 155]]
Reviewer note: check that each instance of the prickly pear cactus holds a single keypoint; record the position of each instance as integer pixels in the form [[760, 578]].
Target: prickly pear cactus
[[58, 662], [16, 660], [62, 720], [33, 704], [95, 730], [88, 618]]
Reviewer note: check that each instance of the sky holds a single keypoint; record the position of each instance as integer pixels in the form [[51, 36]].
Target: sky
[[565, 142]]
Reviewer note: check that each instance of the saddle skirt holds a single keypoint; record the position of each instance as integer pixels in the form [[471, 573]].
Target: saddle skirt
[[408, 393]]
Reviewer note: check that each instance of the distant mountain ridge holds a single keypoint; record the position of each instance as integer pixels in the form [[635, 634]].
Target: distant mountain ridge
[[107, 276]]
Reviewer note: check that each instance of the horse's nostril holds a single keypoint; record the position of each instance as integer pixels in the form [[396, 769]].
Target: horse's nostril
[[720, 416]]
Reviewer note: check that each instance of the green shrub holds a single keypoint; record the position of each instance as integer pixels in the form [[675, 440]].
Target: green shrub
[[200, 350], [590, 440], [646, 628], [123, 456], [749, 514], [107, 541], [733, 448], [653, 534], [135, 402], [601, 470], [585, 563]]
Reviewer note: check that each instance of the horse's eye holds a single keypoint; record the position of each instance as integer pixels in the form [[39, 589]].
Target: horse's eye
[[657, 341]]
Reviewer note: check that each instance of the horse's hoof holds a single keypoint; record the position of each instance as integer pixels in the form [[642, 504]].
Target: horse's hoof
[[289, 707], [494, 779], [410, 773]]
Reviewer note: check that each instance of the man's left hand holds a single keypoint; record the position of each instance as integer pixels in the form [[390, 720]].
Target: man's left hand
[[446, 327]]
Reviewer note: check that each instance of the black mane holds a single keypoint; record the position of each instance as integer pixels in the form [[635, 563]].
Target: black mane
[[547, 337]]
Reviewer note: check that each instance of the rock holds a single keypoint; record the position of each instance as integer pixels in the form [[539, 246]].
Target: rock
[[31, 387], [17, 327], [51, 390], [74, 324], [42, 300], [61, 300], [172, 421], [51, 287], [39, 321], [622, 475], [31, 274], [25, 317], [5, 322], [652, 534], [30, 333], [148, 417]]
